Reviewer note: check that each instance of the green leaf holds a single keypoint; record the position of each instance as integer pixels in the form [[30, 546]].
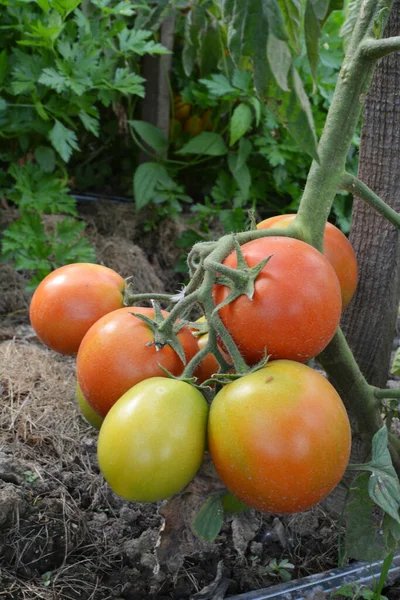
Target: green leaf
[[3, 104], [242, 80], [53, 79], [292, 15], [320, 8], [151, 135], [312, 34], [137, 41], [128, 83], [380, 21], [90, 123], [245, 147], [383, 485], [256, 104], [333, 5], [208, 521], [352, 12], [242, 176], [366, 539], [208, 143], [293, 110], [65, 7], [240, 122], [231, 504], [64, 140], [280, 60], [145, 181], [250, 23], [219, 85], [44, 5], [3, 65], [395, 370], [46, 158], [210, 50]]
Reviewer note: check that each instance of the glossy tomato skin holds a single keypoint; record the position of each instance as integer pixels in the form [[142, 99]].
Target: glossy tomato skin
[[152, 441], [87, 411], [117, 353], [279, 438], [296, 306], [337, 250], [68, 301]]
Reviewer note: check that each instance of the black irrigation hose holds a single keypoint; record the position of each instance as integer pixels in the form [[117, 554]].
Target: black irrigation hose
[[93, 197], [360, 573]]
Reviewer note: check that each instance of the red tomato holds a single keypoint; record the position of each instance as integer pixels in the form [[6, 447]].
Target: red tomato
[[279, 438], [296, 306], [337, 250], [68, 301], [117, 353]]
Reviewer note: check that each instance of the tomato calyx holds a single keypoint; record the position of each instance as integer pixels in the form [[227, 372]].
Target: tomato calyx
[[165, 337], [240, 280]]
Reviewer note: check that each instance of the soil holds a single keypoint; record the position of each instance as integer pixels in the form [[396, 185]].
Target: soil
[[63, 533]]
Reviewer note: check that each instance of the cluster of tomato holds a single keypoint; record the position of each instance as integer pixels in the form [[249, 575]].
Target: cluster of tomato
[[279, 437], [186, 120]]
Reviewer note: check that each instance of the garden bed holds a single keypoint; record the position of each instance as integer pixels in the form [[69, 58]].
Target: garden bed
[[63, 532]]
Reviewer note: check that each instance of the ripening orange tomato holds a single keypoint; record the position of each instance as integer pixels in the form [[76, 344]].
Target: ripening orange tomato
[[280, 437], [118, 352], [70, 300], [296, 306], [337, 250]]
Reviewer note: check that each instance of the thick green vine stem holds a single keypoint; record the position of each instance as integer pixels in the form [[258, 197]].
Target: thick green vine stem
[[352, 184], [325, 176], [387, 394]]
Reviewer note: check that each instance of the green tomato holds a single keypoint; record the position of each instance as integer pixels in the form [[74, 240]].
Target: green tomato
[[152, 440], [87, 412]]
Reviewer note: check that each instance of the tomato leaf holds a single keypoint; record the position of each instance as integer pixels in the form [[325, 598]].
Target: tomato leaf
[[395, 370], [208, 521], [240, 122], [210, 50], [280, 59], [312, 34], [383, 485], [292, 15], [145, 181], [370, 536], [211, 144], [151, 135]]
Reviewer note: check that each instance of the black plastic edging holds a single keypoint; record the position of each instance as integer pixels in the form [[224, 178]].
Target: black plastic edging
[[361, 573]]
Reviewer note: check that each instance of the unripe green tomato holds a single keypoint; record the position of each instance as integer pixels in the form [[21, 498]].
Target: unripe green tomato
[[152, 441], [87, 412]]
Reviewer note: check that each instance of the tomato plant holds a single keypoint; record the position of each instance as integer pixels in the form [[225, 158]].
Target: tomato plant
[[296, 305], [119, 351], [279, 438], [337, 250], [69, 300], [152, 441]]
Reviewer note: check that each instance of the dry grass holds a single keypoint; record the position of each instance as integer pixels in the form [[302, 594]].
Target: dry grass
[[52, 447]]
